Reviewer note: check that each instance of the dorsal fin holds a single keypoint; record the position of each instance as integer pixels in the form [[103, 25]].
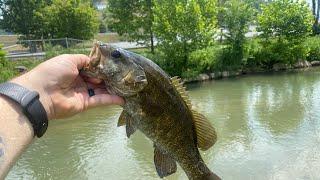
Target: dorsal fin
[[176, 82], [206, 134]]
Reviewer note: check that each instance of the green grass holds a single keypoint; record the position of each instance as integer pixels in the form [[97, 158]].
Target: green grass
[[9, 71], [108, 38]]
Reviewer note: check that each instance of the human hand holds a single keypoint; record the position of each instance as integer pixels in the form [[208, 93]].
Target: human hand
[[63, 92]]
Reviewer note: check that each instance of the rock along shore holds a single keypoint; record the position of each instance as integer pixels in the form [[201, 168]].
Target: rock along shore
[[227, 74]]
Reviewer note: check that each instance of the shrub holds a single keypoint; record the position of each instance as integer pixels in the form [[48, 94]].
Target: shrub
[[5, 71], [182, 27], [251, 49], [237, 16], [102, 27], [313, 45], [203, 61], [284, 25]]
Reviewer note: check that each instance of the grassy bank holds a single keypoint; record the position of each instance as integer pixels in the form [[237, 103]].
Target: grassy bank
[[10, 70]]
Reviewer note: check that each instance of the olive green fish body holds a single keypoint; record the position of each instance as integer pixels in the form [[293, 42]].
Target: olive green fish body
[[159, 111], [166, 119]]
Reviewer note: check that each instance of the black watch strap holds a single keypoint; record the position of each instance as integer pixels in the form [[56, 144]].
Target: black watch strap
[[30, 103]]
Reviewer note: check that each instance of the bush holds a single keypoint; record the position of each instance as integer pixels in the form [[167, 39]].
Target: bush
[[237, 16], [284, 25], [264, 54], [5, 68], [69, 18], [251, 49], [313, 45], [102, 27], [203, 61], [181, 28]]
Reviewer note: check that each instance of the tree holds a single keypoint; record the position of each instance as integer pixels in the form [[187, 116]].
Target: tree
[[132, 18], [284, 25], [237, 16], [183, 26], [285, 19], [19, 16], [37, 19], [69, 18]]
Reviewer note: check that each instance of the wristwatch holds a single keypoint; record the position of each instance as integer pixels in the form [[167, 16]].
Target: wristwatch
[[30, 104]]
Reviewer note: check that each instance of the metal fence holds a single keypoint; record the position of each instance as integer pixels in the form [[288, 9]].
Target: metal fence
[[42, 45], [21, 49]]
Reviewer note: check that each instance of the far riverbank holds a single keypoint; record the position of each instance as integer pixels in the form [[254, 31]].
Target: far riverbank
[[300, 65]]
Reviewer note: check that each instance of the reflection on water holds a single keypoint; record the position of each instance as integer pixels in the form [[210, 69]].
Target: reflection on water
[[268, 128]]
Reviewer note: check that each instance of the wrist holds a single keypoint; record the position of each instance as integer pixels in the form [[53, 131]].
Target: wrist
[[32, 84]]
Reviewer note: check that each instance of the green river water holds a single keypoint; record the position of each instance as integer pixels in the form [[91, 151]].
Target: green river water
[[268, 128]]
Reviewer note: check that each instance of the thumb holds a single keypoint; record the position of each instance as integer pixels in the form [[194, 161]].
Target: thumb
[[104, 99]]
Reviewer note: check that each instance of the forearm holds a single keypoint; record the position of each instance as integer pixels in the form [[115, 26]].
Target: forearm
[[16, 133]]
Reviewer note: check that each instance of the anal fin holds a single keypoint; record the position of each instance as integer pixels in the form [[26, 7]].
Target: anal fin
[[165, 165], [122, 119]]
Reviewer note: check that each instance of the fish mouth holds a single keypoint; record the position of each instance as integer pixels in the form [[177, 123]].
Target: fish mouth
[[114, 90]]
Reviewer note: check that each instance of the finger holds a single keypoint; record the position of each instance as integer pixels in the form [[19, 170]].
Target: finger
[[80, 60], [92, 80], [98, 91], [96, 86], [104, 99]]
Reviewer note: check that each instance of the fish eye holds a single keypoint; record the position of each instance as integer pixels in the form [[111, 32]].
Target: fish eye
[[116, 54]]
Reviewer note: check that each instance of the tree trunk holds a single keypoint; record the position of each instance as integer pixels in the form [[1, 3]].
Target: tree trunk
[[152, 42], [318, 11], [314, 8], [150, 5]]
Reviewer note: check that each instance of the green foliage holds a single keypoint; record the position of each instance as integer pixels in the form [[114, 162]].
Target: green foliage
[[285, 19], [19, 16], [181, 27], [252, 60], [2, 57], [37, 19], [313, 45], [132, 18], [203, 61], [5, 72], [236, 18], [102, 27], [69, 18], [7, 68], [284, 25]]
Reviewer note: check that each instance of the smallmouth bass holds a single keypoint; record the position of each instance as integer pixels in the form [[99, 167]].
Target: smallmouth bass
[[159, 107]]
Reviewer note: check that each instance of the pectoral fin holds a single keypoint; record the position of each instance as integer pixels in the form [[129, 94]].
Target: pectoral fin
[[122, 119], [130, 127], [165, 165], [206, 134], [125, 119]]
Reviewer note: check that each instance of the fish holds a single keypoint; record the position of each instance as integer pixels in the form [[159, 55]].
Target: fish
[[157, 105]]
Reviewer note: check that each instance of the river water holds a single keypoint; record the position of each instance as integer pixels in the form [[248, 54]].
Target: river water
[[268, 128]]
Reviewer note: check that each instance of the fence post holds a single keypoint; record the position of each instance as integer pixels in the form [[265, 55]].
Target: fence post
[[29, 43], [67, 42]]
